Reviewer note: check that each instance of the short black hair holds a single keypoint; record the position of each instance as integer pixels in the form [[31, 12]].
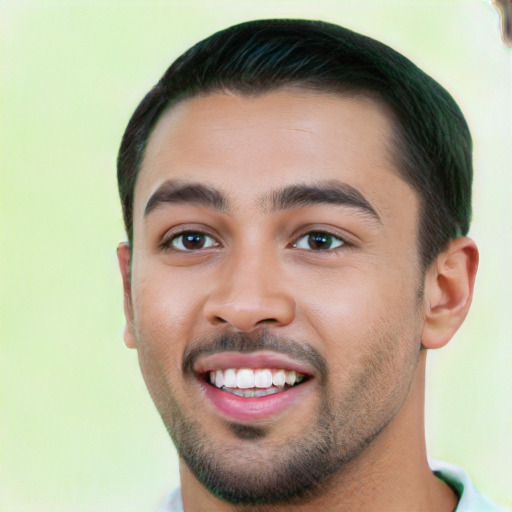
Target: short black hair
[[432, 141]]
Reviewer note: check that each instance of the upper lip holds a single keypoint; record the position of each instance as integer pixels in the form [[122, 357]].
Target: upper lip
[[262, 359]]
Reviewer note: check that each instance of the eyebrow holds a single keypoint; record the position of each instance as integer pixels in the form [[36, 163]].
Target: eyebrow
[[329, 192], [182, 192], [177, 191]]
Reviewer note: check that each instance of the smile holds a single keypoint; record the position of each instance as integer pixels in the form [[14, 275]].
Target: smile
[[250, 383], [252, 387]]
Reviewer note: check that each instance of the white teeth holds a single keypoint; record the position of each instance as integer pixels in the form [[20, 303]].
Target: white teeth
[[219, 378], [262, 378], [251, 393], [247, 393], [245, 378], [272, 381], [291, 377], [265, 392], [279, 378], [230, 378]]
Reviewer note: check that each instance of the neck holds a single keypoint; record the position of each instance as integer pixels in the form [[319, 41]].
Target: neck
[[391, 474]]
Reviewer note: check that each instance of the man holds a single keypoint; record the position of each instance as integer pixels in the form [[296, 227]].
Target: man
[[296, 198]]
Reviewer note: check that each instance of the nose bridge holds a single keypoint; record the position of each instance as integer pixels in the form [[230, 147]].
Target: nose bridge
[[250, 291]]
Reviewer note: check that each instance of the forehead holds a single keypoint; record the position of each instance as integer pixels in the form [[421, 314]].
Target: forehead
[[248, 146]]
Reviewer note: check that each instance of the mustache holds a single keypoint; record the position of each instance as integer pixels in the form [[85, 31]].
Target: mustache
[[248, 342]]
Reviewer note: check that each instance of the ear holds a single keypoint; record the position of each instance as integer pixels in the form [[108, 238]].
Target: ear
[[124, 259], [449, 284]]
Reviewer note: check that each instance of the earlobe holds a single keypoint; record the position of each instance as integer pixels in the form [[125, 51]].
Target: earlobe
[[449, 284], [124, 260]]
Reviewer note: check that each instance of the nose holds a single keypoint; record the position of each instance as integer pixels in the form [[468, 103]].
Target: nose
[[250, 293]]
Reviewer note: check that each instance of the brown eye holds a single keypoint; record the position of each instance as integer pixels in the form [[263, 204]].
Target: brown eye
[[318, 241], [192, 241]]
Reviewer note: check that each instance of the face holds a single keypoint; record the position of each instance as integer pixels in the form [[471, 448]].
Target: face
[[273, 296]]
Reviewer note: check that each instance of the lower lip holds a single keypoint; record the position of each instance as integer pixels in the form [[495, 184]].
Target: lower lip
[[239, 408]]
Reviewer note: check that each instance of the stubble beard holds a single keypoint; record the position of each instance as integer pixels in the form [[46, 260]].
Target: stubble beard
[[256, 469]]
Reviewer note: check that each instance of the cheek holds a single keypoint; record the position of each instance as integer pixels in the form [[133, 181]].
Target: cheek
[[354, 296], [161, 310], [353, 309], [165, 306], [165, 317]]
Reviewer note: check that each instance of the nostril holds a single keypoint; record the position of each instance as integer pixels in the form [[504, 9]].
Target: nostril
[[250, 311]]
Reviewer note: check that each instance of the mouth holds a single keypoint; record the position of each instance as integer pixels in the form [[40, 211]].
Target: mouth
[[252, 387], [251, 383]]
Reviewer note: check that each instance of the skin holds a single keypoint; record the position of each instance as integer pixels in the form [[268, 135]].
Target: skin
[[359, 305]]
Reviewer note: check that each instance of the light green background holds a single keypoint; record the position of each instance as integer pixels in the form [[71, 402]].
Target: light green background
[[78, 432]]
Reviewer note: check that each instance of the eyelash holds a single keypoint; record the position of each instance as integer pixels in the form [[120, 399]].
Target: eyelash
[[167, 243]]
